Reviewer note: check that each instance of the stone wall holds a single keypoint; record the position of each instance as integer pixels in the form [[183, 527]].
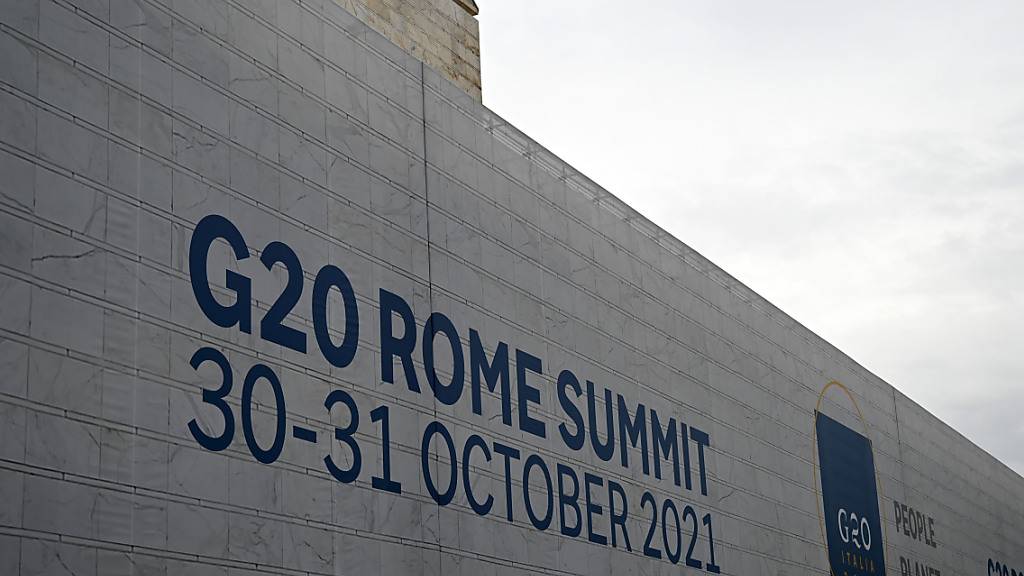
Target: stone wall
[[227, 227], [443, 33]]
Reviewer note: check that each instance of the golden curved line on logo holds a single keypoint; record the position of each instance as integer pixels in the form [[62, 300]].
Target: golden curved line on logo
[[814, 468]]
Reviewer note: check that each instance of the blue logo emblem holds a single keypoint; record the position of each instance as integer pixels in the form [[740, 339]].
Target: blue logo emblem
[[853, 528]]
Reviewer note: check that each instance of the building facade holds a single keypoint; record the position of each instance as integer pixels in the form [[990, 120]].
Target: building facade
[[279, 298]]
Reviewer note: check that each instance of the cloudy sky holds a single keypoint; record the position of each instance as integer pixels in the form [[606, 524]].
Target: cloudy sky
[[861, 165]]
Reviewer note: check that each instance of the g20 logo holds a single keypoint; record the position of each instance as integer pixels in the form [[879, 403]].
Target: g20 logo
[[851, 525], [854, 530]]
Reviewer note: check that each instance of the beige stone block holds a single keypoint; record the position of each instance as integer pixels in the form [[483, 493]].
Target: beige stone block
[[444, 34]]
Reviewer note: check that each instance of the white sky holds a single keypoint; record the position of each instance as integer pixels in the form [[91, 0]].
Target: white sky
[[859, 164]]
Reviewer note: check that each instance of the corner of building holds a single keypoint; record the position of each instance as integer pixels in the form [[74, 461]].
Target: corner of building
[[444, 34]]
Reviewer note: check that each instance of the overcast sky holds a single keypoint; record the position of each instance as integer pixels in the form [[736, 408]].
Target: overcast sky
[[859, 164]]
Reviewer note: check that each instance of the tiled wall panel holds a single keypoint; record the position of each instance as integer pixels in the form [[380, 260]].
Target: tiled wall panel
[[124, 123]]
